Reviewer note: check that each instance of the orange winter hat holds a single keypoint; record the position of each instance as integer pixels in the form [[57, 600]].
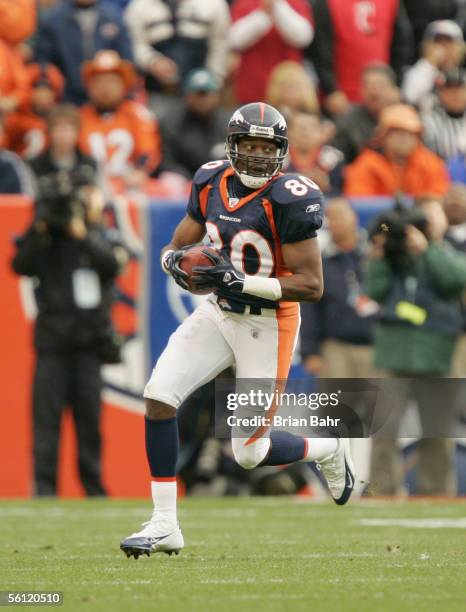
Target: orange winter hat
[[400, 117], [109, 61], [48, 75]]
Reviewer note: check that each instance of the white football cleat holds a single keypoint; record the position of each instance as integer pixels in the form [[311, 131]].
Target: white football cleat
[[155, 536], [338, 470]]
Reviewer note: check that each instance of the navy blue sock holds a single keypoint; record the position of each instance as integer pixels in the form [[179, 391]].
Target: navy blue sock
[[285, 448], [162, 447]]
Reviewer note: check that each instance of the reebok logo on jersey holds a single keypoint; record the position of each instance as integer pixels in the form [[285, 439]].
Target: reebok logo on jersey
[[313, 208], [225, 218]]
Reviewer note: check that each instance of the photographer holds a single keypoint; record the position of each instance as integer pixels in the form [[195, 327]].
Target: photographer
[[74, 262], [418, 280]]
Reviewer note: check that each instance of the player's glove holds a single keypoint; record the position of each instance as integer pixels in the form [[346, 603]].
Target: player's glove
[[221, 274], [171, 265]]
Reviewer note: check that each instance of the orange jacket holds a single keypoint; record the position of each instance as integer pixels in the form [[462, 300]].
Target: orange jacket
[[126, 138], [25, 133], [371, 174], [13, 77], [17, 20]]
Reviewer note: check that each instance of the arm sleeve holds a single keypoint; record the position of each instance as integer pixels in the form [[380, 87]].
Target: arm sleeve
[[144, 54], [45, 51], [342, 139], [28, 257], [447, 269], [378, 279], [294, 28], [402, 48], [309, 331], [247, 30], [194, 206], [418, 81], [321, 51], [123, 43], [216, 60], [299, 220], [101, 253]]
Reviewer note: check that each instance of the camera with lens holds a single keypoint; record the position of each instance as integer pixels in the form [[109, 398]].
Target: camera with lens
[[392, 225], [59, 201]]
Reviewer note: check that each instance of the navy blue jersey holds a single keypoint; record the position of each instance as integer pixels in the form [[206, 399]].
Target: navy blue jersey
[[251, 230]]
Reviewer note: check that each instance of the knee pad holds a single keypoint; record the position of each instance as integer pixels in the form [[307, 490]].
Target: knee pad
[[252, 455]]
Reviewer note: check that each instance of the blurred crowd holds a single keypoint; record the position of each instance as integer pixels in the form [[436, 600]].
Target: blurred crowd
[[137, 93], [155, 81]]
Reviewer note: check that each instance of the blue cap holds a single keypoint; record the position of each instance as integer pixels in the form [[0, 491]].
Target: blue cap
[[200, 79]]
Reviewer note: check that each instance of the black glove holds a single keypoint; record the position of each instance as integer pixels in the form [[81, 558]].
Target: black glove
[[172, 265], [221, 274]]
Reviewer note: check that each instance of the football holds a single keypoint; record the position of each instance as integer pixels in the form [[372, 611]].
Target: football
[[196, 257]]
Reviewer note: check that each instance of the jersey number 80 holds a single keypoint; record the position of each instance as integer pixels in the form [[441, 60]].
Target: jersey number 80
[[238, 244]]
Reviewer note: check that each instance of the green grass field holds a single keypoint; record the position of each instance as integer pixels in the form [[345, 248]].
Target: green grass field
[[242, 555]]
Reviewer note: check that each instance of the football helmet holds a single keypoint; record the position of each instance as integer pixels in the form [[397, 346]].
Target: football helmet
[[256, 120]]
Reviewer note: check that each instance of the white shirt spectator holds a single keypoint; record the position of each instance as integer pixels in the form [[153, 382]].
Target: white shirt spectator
[[203, 25], [293, 27]]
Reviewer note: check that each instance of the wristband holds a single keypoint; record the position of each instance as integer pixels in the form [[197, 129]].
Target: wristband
[[268, 288], [163, 260]]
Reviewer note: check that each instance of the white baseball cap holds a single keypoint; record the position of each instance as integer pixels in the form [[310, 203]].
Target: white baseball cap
[[443, 27]]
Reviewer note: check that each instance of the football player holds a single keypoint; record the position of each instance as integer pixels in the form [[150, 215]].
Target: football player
[[121, 134], [264, 225]]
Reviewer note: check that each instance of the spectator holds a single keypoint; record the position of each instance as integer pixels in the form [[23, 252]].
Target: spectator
[[454, 205], [290, 89], [336, 333], [309, 155], [73, 31], [28, 46], [414, 341], [266, 33], [194, 133], [401, 164], [172, 38], [13, 79], [62, 153], [17, 20], [74, 262], [445, 125], [26, 129], [422, 13], [14, 175], [120, 134], [355, 128], [351, 35], [442, 50]]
